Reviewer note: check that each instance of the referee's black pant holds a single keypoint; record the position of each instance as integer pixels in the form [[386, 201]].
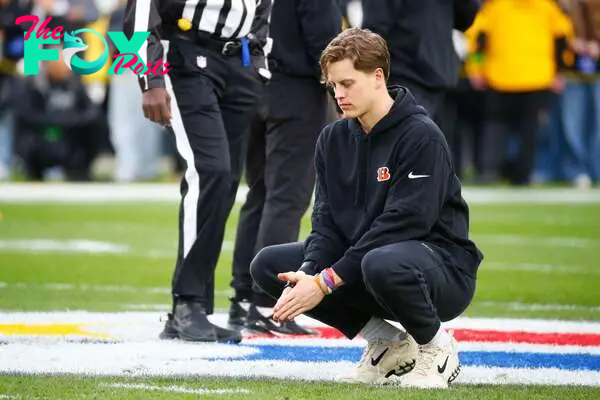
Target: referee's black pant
[[418, 285], [213, 99], [279, 172]]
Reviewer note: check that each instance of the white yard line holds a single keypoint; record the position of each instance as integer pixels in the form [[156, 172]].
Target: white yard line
[[511, 305], [518, 306], [462, 346], [103, 193], [151, 319], [538, 218], [174, 389], [95, 288], [93, 193], [538, 241], [86, 246], [146, 307], [535, 267], [85, 287], [67, 245]]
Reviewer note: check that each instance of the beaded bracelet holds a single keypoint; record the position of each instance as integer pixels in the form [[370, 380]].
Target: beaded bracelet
[[328, 279], [319, 281]]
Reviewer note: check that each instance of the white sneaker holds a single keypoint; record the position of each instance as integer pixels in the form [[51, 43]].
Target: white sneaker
[[382, 359], [436, 367]]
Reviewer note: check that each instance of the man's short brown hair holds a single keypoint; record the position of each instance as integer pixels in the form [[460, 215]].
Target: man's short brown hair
[[367, 50]]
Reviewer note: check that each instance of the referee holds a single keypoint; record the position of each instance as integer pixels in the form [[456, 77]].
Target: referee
[[217, 59]]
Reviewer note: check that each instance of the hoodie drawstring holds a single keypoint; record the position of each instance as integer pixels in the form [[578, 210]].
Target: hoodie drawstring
[[357, 184], [366, 172]]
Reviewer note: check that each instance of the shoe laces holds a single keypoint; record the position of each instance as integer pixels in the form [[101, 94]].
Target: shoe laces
[[166, 318], [425, 360], [427, 356]]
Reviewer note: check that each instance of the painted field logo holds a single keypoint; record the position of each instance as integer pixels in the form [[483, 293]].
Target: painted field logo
[[128, 56]]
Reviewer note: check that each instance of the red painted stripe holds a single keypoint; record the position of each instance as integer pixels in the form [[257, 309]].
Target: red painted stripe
[[564, 339], [472, 335]]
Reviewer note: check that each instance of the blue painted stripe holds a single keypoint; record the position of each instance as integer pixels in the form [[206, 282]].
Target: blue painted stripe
[[468, 358]]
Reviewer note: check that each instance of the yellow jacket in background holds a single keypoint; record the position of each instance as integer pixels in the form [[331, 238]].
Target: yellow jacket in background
[[96, 47], [513, 43]]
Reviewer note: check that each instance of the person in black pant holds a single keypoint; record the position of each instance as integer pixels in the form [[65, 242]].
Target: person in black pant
[[279, 166], [390, 229], [216, 70], [423, 57], [58, 124], [507, 113]]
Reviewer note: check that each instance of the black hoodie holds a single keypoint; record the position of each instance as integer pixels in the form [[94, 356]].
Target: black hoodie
[[393, 185]]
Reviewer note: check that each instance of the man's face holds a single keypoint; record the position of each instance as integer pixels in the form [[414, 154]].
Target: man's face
[[355, 91]]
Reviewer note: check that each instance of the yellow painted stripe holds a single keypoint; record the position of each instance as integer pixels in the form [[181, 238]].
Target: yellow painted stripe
[[48, 330]]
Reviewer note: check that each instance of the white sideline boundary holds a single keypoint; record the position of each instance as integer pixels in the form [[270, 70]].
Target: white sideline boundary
[[161, 193]]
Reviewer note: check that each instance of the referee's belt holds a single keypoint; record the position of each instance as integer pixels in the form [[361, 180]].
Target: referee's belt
[[226, 48]]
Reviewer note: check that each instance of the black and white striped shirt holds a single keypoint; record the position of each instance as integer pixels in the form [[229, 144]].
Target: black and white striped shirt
[[226, 19]]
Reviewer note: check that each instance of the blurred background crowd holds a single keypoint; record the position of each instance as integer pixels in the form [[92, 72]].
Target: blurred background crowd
[[523, 107]]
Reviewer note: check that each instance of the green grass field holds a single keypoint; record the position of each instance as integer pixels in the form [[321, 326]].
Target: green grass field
[[540, 259], [74, 387], [541, 262]]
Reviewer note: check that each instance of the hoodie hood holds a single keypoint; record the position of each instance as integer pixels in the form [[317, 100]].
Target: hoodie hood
[[405, 105]]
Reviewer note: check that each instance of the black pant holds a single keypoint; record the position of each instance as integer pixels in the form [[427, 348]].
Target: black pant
[[280, 173], [511, 115], [74, 151], [431, 99], [412, 283], [213, 100], [470, 123]]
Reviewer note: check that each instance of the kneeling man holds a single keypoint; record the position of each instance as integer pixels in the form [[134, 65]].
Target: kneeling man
[[390, 228]]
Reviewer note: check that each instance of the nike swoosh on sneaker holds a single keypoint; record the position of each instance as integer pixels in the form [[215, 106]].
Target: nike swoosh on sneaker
[[443, 367], [375, 361]]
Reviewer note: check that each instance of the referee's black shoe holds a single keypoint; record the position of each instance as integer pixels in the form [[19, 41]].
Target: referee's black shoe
[[190, 323], [238, 311], [169, 331]]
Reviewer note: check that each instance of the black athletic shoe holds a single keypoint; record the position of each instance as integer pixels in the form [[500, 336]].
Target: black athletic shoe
[[259, 323], [169, 331], [294, 329], [191, 323], [237, 312]]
